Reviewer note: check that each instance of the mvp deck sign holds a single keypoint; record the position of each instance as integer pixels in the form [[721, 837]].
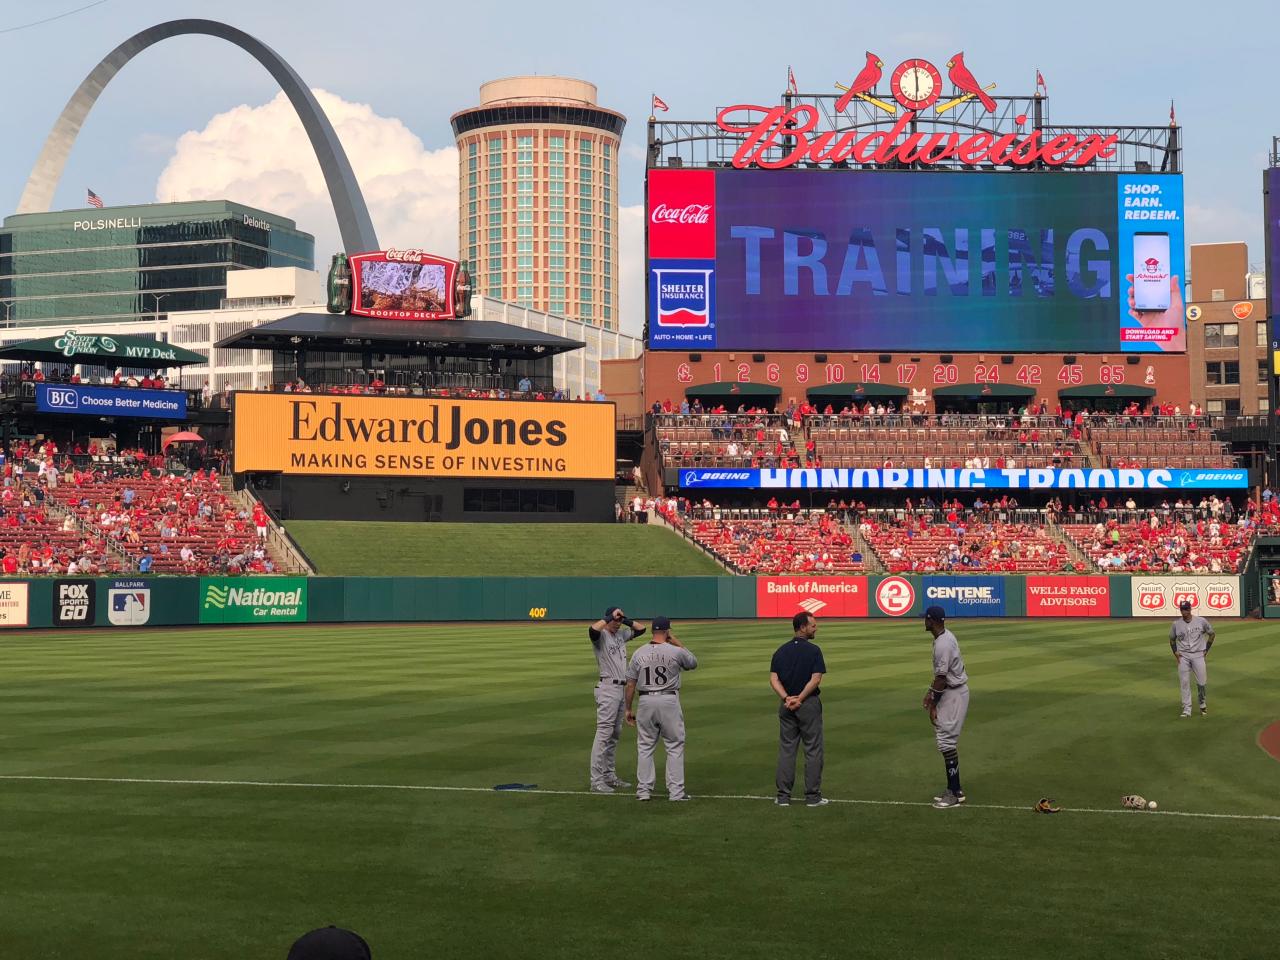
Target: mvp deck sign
[[256, 600]]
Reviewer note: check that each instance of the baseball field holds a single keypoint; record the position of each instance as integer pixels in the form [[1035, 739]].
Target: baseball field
[[214, 793]]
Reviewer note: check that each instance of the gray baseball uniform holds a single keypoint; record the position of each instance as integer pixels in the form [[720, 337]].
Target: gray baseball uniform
[[954, 704], [611, 656], [1190, 639], [656, 669]]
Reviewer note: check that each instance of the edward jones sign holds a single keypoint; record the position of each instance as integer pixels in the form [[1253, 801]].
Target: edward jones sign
[[423, 436]]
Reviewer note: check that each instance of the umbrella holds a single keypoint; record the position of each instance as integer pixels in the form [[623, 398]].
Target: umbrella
[[186, 436]]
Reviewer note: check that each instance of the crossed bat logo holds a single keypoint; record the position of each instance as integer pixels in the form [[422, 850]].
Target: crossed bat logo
[[864, 85]]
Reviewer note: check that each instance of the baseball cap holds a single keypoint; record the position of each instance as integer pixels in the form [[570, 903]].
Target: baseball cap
[[610, 611], [1185, 605], [935, 613], [330, 943], [662, 623]]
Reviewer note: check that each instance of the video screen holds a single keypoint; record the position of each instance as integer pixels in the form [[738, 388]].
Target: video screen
[[915, 260]]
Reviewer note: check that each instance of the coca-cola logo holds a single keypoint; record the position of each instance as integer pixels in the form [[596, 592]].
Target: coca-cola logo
[[406, 256], [689, 213]]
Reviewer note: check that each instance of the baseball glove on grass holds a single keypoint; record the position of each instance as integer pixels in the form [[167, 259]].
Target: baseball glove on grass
[[1134, 802], [1046, 805]]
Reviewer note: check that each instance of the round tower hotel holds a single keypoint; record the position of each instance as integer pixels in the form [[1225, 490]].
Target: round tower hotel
[[538, 201]]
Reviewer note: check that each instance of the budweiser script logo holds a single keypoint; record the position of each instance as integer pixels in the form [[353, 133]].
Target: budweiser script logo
[[784, 137], [690, 213]]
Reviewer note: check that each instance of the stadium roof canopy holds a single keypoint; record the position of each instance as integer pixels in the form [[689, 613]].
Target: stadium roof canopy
[[343, 333], [1105, 390], [856, 390], [722, 389], [981, 390], [107, 350]]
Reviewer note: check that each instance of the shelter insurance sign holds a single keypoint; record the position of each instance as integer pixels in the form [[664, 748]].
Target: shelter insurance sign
[[423, 436]]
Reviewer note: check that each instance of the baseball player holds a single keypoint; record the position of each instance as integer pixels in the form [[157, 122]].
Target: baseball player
[[947, 701], [1190, 639], [609, 636], [654, 673]]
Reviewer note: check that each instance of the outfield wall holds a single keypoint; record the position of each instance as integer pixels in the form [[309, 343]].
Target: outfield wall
[[185, 601]]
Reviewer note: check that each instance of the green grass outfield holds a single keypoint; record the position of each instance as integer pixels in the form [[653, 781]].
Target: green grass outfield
[[129, 866], [359, 549]]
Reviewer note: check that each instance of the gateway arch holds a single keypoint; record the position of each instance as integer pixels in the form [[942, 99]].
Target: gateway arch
[[348, 203]]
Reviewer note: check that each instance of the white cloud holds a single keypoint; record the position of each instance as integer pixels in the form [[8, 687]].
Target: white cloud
[[261, 156], [631, 269]]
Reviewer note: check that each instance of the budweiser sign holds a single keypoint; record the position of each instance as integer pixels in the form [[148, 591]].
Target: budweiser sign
[[791, 132], [690, 213]]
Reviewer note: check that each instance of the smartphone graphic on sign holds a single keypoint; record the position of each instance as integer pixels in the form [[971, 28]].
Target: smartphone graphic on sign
[[1151, 271]]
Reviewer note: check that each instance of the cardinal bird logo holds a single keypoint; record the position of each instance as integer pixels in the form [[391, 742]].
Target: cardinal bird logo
[[965, 82], [863, 84]]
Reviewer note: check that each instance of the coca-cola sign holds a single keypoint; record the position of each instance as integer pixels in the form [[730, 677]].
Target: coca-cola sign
[[408, 284], [785, 136], [689, 213]]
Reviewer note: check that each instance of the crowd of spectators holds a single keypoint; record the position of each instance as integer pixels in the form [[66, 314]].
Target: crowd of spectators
[[964, 542]]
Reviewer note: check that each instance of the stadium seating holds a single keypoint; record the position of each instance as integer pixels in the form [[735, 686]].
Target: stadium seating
[[940, 442], [963, 545], [1158, 544], [167, 513], [726, 440], [785, 544], [1154, 442]]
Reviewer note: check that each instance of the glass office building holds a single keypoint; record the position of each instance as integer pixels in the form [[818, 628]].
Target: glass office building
[[119, 264]]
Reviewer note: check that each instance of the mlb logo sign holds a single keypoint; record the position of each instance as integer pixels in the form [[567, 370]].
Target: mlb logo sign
[[129, 605], [683, 297]]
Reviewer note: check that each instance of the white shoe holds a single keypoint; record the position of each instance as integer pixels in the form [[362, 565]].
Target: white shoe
[[1185, 715], [601, 788], [618, 783], [959, 797], [820, 802], [946, 801], [642, 797]]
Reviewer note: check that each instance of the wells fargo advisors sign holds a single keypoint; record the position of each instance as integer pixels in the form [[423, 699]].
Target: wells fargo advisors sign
[[423, 436]]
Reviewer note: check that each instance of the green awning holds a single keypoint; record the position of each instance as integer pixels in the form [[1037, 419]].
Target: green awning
[[856, 390], [980, 391], [1106, 390], [102, 349], [733, 390]]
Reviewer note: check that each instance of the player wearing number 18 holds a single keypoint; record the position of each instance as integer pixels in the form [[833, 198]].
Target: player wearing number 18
[[654, 674]]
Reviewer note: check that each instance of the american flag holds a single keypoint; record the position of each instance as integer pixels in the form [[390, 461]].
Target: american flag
[[94, 199], [659, 103], [792, 86], [1040, 84]]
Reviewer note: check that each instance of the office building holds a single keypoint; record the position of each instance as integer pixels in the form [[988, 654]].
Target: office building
[[126, 264]]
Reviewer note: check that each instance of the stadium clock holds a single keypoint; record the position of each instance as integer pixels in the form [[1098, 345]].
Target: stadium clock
[[916, 84]]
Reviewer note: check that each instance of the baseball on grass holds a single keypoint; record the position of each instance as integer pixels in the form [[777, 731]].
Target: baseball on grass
[[1151, 804]]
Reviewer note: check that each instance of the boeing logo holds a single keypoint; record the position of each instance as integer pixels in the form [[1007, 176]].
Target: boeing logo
[[693, 478], [1196, 478]]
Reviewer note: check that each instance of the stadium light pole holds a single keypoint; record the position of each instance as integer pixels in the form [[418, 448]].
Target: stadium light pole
[[157, 297], [8, 309]]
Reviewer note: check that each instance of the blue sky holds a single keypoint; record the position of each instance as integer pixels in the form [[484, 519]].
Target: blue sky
[[1214, 60]]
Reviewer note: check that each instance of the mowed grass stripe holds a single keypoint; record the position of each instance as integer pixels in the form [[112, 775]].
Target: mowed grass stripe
[[1081, 711]]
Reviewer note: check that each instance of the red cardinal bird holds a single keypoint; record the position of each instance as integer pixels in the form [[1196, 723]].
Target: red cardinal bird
[[960, 76], [866, 79]]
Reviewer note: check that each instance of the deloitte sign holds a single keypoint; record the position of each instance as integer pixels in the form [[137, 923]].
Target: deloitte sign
[[249, 600]]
